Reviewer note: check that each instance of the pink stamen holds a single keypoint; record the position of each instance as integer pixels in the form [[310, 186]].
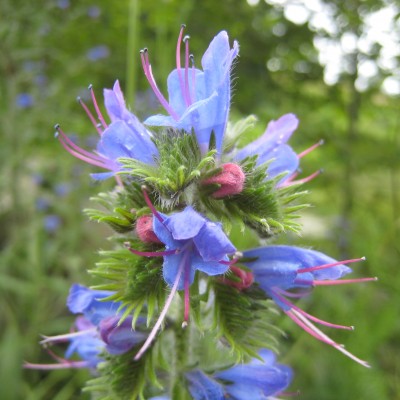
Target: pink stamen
[[309, 316], [150, 78], [324, 266], [186, 297], [152, 253], [310, 149], [81, 154], [193, 95], [164, 311], [96, 107], [295, 318], [68, 364], [76, 147], [343, 281], [325, 338], [187, 90], [150, 204], [178, 58], [90, 115], [309, 178], [65, 337]]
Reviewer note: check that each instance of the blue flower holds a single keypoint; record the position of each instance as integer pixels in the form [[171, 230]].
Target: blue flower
[[278, 269], [256, 380], [124, 137], [24, 100], [97, 330], [272, 146], [199, 244], [98, 53], [199, 100]]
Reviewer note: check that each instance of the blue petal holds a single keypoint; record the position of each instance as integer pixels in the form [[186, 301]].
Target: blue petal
[[277, 133], [101, 176], [185, 225], [202, 387], [286, 160], [171, 267], [209, 267], [212, 243], [114, 102], [88, 347], [82, 300], [123, 140]]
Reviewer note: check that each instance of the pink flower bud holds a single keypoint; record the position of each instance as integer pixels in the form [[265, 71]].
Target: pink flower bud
[[144, 229], [231, 180], [246, 278]]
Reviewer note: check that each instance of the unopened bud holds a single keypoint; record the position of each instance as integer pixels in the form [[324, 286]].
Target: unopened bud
[[231, 181], [144, 229]]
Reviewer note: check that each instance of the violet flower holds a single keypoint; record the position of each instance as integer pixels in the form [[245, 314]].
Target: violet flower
[[192, 243], [272, 145], [257, 380], [124, 137], [278, 269], [96, 330], [199, 100]]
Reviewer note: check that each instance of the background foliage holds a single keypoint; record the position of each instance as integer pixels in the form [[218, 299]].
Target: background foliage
[[50, 50]]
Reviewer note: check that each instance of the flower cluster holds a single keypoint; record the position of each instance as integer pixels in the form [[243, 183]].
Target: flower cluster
[[180, 191]]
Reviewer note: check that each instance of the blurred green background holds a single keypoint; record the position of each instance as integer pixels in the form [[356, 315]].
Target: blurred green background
[[323, 60]]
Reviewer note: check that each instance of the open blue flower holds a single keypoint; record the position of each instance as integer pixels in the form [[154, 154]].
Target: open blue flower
[[256, 380], [97, 329], [124, 137], [199, 243], [272, 145], [278, 269], [199, 100]]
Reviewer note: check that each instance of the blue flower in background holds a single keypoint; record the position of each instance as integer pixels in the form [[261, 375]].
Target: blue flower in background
[[199, 100], [278, 269], [98, 53], [257, 380], [24, 100], [124, 137], [51, 222]]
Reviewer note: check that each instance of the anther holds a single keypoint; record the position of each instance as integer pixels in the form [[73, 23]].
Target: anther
[[78, 99], [90, 87], [57, 127], [183, 26], [184, 324], [186, 38]]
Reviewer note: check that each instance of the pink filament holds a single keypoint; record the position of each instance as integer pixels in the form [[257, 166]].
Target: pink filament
[[178, 58], [66, 337], [66, 364], [99, 114], [167, 304], [324, 266], [342, 281], [187, 91], [315, 319], [309, 178], [90, 115], [150, 78], [153, 253], [186, 296], [310, 149], [150, 204]]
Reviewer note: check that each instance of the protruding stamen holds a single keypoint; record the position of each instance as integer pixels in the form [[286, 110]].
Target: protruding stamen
[[324, 266], [151, 253], [150, 204], [343, 281], [65, 337], [90, 115], [298, 295], [309, 178], [178, 58], [193, 93], [186, 294], [164, 311], [187, 89], [96, 107], [67, 364], [80, 153], [310, 149], [324, 338], [150, 78], [309, 316]]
